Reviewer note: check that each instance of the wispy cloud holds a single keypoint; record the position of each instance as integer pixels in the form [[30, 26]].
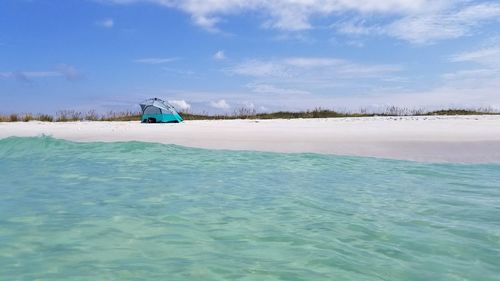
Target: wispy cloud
[[306, 78], [220, 104], [429, 28], [156, 60], [69, 72], [415, 21], [26, 76], [271, 89], [320, 67], [180, 105], [440, 23], [179, 72], [313, 62], [476, 74], [62, 70], [282, 14], [480, 73], [259, 68], [219, 55], [106, 23], [487, 56]]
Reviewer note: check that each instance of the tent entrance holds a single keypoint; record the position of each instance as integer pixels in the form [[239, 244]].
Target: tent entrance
[[158, 111]]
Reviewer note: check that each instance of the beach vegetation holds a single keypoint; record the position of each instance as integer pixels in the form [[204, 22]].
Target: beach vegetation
[[457, 111], [45, 118], [27, 117], [92, 115], [68, 116], [14, 118], [248, 113], [121, 116]]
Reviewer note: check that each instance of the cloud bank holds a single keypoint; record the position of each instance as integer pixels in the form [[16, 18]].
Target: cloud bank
[[415, 21]]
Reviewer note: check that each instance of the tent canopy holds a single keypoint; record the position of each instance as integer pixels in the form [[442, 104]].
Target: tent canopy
[[156, 110]]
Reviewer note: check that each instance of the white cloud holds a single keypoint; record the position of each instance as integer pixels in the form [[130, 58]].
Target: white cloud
[[280, 81], [220, 104], [463, 75], [355, 43], [443, 25], [313, 62], [356, 27], [271, 89], [179, 72], [219, 55], [69, 72], [486, 56], [107, 23], [156, 60], [438, 23], [448, 94], [481, 79], [283, 14], [180, 105], [473, 86], [208, 23], [322, 68], [416, 21], [257, 68]]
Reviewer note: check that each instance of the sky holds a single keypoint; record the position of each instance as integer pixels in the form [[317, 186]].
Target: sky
[[217, 56]]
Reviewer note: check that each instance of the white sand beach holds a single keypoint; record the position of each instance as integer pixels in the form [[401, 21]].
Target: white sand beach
[[471, 139]]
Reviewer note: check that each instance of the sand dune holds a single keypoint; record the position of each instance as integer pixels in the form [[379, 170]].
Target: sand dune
[[474, 139]]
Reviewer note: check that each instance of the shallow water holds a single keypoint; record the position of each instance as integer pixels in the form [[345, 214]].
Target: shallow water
[[139, 211]]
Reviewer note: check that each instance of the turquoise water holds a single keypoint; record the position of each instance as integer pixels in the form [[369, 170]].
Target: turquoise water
[[138, 211]]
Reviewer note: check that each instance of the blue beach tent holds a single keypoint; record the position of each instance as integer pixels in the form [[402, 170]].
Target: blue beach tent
[[158, 111]]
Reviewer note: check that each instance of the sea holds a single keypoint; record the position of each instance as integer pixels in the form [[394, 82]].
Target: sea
[[145, 211]]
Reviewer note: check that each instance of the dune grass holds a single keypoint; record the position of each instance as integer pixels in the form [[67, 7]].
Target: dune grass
[[326, 113], [243, 113]]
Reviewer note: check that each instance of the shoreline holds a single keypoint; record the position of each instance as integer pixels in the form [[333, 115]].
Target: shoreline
[[457, 139]]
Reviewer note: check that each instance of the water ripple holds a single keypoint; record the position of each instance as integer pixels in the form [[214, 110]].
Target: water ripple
[[139, 211]]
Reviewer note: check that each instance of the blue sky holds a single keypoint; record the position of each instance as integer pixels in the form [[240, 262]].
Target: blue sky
[[220, 55]]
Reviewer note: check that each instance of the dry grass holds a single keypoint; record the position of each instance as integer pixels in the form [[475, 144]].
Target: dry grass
[[244, 113]]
